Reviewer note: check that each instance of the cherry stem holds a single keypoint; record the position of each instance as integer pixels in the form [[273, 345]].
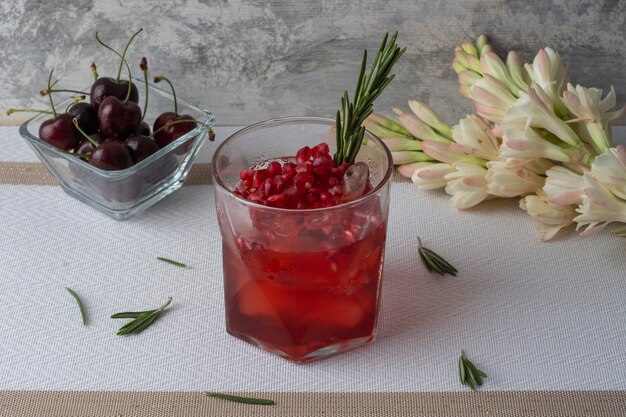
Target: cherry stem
[[159, 78], [176, 122], [46, 91], [123, 62], [119, 72], [82, 132], [144, 68], [11, 111], [77, 99], [94, 71], [54, 112]]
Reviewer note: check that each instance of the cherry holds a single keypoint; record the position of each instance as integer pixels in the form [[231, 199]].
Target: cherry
[[88, 146], [143, 129], [118, 119], [106, 87], [167, 132], [60, 132], [141, 147], [86, 115], [169, 126], [111, 155]]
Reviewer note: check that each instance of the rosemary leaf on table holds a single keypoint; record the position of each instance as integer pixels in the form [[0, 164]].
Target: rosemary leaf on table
[[141, 319], [469, 374], [175, 263], [434, 262], [83, 313], [239, 399]]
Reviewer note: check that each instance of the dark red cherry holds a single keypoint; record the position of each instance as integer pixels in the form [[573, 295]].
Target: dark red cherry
[[170, 133], [141, 147], [86, 146], [86, 115], [60, 132], [118, 119], [105, 87], [143, 129], [111, 155]]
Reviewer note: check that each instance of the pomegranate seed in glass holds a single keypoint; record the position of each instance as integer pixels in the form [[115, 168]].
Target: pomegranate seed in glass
[[303, 239]]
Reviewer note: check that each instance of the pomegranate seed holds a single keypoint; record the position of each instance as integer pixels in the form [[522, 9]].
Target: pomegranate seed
[[274, 168], [303, 154], [259, 176], [321, 148], [349, 236], [304, 180]]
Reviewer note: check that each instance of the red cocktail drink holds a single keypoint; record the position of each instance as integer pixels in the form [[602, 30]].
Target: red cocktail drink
[[300, 283]]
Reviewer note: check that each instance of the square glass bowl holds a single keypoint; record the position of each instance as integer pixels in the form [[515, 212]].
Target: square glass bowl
[[124, 193]]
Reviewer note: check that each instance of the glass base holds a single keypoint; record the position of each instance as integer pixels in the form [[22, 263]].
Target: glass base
[[127, 213], [292, 353]]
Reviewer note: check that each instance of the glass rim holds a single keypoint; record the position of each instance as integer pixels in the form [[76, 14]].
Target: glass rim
[[332, 122], [208, 119]]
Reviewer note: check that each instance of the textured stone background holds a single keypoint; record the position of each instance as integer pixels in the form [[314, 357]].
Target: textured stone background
[[251, 60]]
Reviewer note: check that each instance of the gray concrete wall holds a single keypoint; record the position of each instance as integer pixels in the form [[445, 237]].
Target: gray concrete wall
[[251, 60]]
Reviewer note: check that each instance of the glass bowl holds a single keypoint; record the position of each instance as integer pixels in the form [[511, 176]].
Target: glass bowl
[[124, 193]]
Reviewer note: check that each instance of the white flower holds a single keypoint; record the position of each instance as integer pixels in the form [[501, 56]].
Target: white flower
[[420, 129], [409, 157], [493, 65], [446, 152], [402, 144], [609, 169], [473, 137], [552, 217], [407, 170], [511, 181], [550, 75], [492, 98], [431, 176], [467, 185], [593, 114], [430, 117], [564, 186], [534, 109], [521, 141], [518, 75], [599, 208]]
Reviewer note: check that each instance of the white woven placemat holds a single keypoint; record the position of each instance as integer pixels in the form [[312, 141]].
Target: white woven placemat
[[534, 316]]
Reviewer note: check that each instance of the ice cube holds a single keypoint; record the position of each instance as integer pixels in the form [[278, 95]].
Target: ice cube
[[355, 181]]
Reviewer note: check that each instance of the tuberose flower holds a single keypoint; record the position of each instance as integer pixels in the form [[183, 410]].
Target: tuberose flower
[[600, 207], [564, 186], [511, 181], [521, 141], [534, 109], [430, 117], [550, 75], [609, 169], [473, 136], [467, 185], [552, 217], [492, 98], [430, 176]]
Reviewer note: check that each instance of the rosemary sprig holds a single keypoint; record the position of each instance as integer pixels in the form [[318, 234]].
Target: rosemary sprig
[[434, 262], [83, 314], [141, 319], [175, 263], [238, 399], [469, 374], [368, 88]]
